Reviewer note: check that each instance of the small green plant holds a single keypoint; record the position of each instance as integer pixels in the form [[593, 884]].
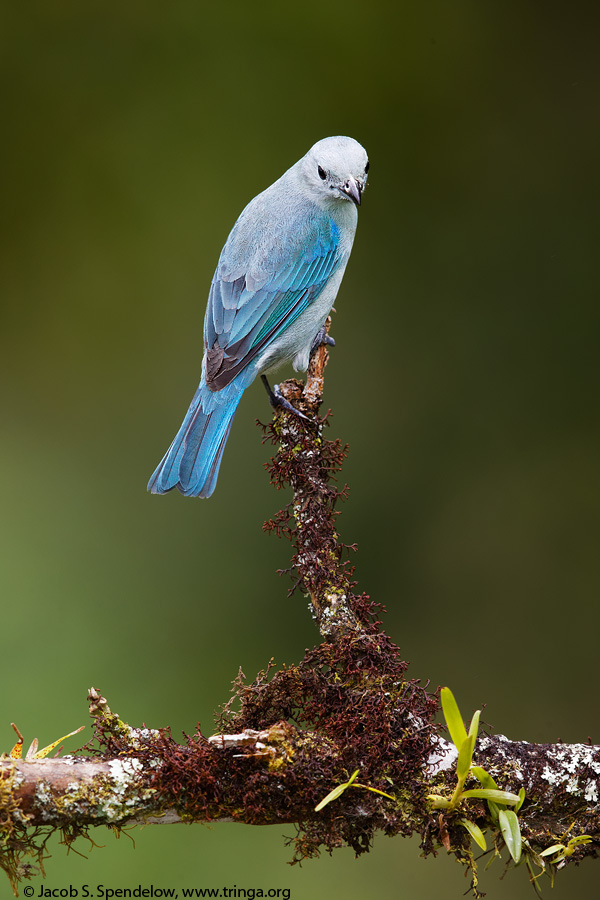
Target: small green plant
[[339, 790], [558, 852], [505, 819], [549, 860]]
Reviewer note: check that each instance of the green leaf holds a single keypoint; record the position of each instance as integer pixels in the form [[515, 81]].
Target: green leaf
[[511, 832], [474, 726], [465, 757], [555, 848], [484, 777], [332, 795], [475, 832], [504, 797], [494, 810], [375, 790], [521, 800], [580, 839], [533, 877], [336, 792], [455, 724]]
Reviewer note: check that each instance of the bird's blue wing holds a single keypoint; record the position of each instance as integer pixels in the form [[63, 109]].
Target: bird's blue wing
[[247, 311]]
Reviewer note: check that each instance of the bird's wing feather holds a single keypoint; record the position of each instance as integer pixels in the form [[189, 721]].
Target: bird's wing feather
[[247, 311]]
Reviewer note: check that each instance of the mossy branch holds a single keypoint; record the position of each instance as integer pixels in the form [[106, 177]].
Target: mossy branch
[[345, 725]]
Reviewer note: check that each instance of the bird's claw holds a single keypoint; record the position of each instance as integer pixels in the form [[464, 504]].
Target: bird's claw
[[322, 337], [281, 401], [278, 401]]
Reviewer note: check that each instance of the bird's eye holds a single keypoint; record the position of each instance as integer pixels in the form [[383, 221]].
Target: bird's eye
[[367, 167], [322, 173]]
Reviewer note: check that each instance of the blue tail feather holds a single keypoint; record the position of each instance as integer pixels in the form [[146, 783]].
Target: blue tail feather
[[191, 464]]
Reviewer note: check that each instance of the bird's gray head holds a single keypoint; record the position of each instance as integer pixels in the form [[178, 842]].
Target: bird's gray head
[[337, 168]]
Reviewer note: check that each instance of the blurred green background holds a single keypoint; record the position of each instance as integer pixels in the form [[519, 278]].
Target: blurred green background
[[463, 379]]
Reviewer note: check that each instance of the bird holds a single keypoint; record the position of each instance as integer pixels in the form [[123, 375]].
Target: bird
[[274, 286]]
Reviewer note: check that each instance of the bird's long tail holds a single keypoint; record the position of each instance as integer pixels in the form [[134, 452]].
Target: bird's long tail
[[191, 464]]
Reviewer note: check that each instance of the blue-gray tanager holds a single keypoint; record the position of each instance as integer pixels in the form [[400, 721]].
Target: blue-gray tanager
[[276, 281]]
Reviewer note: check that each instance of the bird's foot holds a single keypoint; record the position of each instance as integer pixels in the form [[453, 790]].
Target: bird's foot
[[321, 337], [278, 401]]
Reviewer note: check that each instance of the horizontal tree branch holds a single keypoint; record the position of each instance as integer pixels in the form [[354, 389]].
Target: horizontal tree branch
[[561, 781], [280, 773]]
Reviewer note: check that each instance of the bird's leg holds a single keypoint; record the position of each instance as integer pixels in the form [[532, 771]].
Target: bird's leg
[[277, 400], [321, 337]]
